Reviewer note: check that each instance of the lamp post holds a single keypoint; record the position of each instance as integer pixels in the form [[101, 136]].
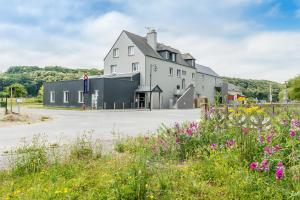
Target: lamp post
[[155, 69]]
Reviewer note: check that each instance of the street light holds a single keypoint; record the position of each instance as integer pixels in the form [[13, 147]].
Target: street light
[[155, 69]]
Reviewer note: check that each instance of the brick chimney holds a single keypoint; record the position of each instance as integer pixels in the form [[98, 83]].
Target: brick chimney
[[152, 38]]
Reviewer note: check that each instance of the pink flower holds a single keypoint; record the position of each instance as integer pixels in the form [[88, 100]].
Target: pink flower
[[269, 138], [295, 123], [177, 140], [245, 130], [230, 143], [253, 165], [264, 165], [279, 173], [277, 147], [213, 146], [268, 150], [292, 133], [190, 131], [280, 165], [261, 139]]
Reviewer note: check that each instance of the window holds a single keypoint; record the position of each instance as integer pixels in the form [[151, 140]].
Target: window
[[135, 67], [131, 50], [183, 73], [173, 57], [193, 63], [170, 71], [52, 97], [113, 69], [183, 84], [193, 75], [66, 97], [167, 55], [80, 96], [178, 73], [116, 53]]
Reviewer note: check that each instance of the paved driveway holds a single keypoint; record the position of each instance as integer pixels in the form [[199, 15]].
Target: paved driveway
[[68, 124]]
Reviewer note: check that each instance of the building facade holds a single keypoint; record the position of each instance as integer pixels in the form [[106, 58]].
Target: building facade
[[155, 75]]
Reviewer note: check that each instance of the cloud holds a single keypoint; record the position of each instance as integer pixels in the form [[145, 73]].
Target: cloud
[[73, 34]]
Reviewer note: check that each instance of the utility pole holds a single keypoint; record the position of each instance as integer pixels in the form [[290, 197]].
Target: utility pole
[[11, 96], [150, 88], [270, 95]]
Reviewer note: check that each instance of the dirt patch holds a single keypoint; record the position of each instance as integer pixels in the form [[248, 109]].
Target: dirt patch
[[21, 118]]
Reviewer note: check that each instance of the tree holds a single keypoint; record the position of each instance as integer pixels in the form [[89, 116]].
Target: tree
[[18, 90], [294, 88]]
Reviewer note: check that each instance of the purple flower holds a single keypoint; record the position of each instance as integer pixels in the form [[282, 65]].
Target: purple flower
[[269, 138], [261, 139], [268, 150], [190, 131], [264, 166], [213, 146], [279, 173], [253, 165], [292, 133], [277, 147], [280, 165], [295, 123], [230, 143]]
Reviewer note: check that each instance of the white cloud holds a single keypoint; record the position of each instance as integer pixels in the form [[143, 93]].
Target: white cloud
[[214, 33]]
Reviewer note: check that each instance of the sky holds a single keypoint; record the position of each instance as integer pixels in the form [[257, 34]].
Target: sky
[[257, 39]]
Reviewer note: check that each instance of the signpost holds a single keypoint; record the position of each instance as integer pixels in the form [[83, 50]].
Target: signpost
[[85, 89]]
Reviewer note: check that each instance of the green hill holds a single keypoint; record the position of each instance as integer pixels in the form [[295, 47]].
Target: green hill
[[33, 77], [257, 88]]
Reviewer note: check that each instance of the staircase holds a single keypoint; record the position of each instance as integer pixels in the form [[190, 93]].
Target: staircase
[[186, 99]]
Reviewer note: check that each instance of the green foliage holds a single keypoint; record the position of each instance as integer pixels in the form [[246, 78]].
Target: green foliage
[[294, 88], [32, 77], [259, 89], [18, 90]]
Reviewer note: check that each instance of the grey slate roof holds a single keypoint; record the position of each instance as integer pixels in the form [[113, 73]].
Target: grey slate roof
[[123, 75], [206, 70], [232, 87], [141, 43]]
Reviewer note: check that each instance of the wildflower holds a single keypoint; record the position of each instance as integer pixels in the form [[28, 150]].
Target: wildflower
[[295, 123], [230, 143], [292, 133], [245, 130], [264, 166], [261, 139], [213, 146], [66, 190], [190, 131], [279, 174], [253, 165], [177, 125], [279, 171], [177, 140], [284, 122], [268, 150], [277, 147], [269, 138], [151, 197]]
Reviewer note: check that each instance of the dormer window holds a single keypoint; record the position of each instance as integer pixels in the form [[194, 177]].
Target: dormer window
[[193, 63], [116, 53], [167, 55], [173, 57]]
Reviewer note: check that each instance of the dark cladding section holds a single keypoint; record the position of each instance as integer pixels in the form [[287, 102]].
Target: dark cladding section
[[113, 93], [58, 88]]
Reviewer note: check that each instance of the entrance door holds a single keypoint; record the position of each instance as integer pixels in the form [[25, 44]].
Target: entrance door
[[141, 100]]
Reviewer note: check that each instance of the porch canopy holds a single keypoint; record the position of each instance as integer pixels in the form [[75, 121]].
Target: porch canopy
[[146, 88]]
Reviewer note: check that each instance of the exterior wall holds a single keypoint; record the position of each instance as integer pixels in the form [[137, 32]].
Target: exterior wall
[[167, 83], [124, 61], [206, 85], [110, 91]]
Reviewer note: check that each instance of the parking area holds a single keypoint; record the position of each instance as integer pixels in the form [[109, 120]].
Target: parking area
[[105, 124]]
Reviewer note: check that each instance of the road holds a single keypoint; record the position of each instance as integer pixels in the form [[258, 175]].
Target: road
[[68, 124]]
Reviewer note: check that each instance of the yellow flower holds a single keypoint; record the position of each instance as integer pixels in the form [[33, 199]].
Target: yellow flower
[[230, 110], [66, 190], [151, 197], [241, 98], [260, 111]]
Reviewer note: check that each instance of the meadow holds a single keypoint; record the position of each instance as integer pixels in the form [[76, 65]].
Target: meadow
[[246, 152]]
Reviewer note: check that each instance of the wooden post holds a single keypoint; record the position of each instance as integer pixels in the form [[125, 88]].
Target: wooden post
[[206, 111], [159, 99], [11, 94], [6, 110]]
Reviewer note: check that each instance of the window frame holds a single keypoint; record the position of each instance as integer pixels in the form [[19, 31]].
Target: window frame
[[80, 94], [183, 72], [132, 52], [173, 57], [116, 52], [136, 64], [66, 100], [178, 75], [167, 55], [171, 69], [113, 71], [52, 96]]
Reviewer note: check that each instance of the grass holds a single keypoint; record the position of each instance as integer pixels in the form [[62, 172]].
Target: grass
[[205, 160]]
